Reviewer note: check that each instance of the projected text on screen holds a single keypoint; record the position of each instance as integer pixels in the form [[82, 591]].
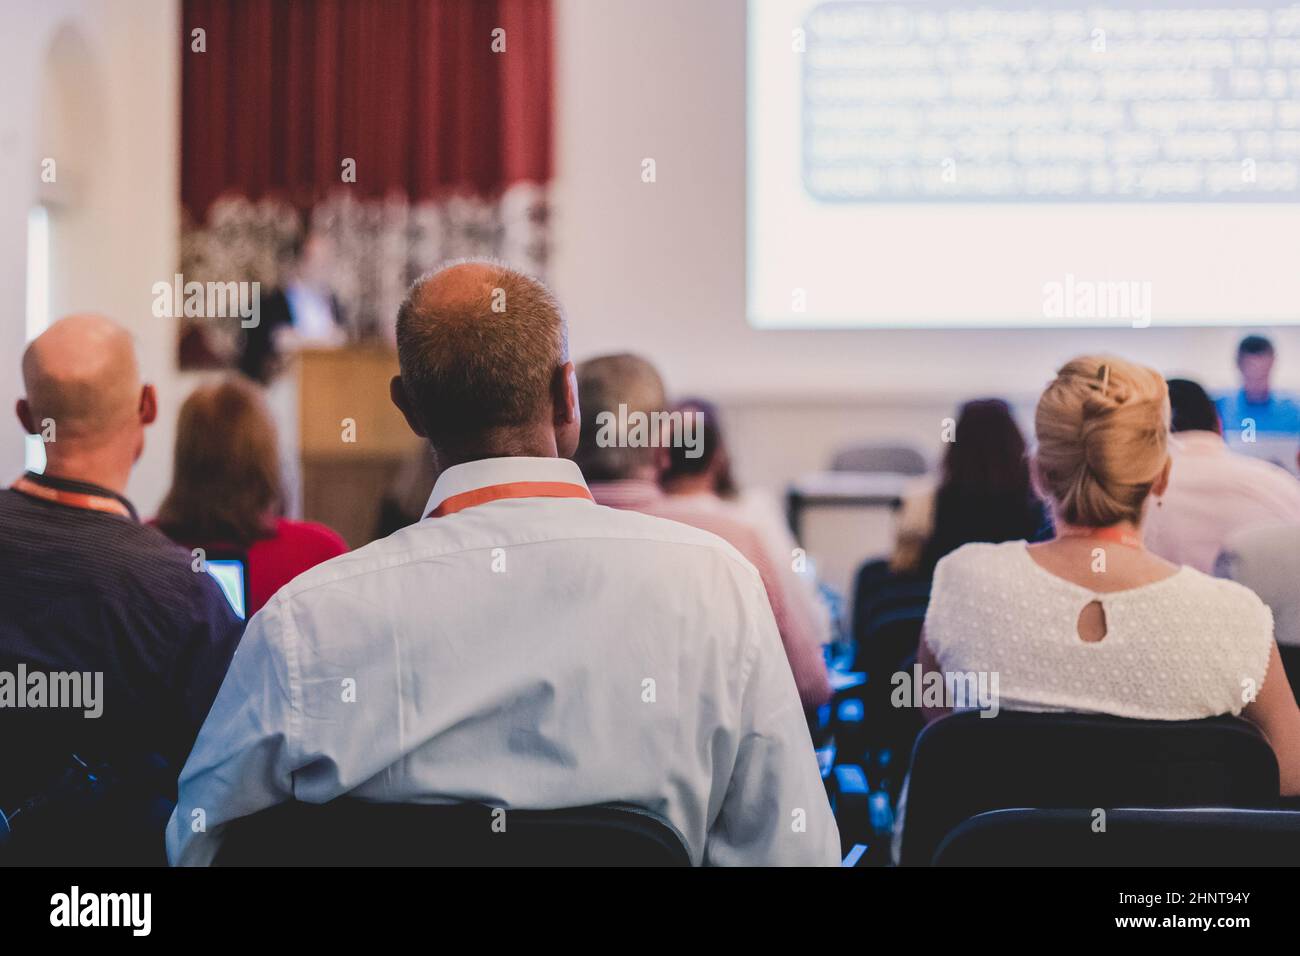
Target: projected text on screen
[[904, 102]]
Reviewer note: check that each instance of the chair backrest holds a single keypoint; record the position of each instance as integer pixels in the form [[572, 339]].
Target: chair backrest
[[1124, 837], [895, 459], [890, 646], [91, 816], [880, 597], [966, 764], [349, 832], [1290, 655]]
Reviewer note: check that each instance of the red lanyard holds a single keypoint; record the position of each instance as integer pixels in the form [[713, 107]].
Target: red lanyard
[[1130, 539], [71, 499], [514, 489]]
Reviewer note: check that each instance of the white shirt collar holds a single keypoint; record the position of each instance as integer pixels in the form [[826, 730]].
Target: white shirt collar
[[472, 475]]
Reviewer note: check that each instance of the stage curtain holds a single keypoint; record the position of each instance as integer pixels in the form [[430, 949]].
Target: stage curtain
[[449, 134]]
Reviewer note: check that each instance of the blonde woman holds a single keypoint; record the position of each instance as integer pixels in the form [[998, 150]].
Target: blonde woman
[[1091, 621]]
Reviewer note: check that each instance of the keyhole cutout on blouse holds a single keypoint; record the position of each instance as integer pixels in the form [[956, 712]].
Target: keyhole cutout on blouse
[[1092, 623]]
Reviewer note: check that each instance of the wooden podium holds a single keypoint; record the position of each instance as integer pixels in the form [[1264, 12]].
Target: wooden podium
[[351, 439]]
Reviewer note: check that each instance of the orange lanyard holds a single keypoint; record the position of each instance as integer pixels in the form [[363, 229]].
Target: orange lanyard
[[514, 489], [1129, 539], [71, 499]]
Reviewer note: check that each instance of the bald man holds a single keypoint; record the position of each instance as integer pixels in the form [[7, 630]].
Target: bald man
[[521, 646], [101, 607]]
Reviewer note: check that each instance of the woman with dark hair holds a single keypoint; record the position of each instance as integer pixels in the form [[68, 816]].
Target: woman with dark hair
[[984, 493], [227, 494]]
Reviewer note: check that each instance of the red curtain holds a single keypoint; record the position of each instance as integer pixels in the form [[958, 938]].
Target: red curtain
[[410, 89]]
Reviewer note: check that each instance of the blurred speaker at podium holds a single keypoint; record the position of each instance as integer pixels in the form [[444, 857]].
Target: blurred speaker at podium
[[304, 312]]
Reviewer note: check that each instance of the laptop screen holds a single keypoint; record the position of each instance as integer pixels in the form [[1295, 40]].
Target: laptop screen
[[230, 575]]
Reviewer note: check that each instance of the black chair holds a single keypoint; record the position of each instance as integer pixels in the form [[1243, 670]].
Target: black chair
[[349, 832], [881, 597], [1195, 838], [892, 730], [1290, 655], [966, 764], [895, 459], [888, 613], [69, 798]]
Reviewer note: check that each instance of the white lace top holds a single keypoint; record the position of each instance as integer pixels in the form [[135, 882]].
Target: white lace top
[[1184, 647]]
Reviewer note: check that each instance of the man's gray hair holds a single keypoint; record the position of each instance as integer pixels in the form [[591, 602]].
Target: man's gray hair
[[479, 344], [604, 384]]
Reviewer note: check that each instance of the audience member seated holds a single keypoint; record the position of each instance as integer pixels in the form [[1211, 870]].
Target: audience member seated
[[1091, 621], [1266, 411], [702, 479], [227, 495], [1266, 559], [624, 472], [520, 646], [1212, 491], [984, 493], [95, 600]]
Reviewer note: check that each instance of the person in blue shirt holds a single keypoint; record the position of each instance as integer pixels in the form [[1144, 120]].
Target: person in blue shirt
[[1275, 413]]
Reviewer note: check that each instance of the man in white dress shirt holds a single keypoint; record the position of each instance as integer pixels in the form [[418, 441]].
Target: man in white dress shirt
[[1213, 492], [521, 646], [1266, 558]]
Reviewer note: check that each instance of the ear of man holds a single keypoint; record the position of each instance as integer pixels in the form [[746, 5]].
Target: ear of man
[[148, 405], [397, 392], [566, 413], [25, 417], [564, 395], [663, 458]]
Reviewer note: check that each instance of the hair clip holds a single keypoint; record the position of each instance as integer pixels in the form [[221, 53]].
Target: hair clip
[[1103, 373]]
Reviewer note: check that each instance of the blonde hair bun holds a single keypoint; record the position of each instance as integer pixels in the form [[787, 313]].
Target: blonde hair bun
[[1103, 434]]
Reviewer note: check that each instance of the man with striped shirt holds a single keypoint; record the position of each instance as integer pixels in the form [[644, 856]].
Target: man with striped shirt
[[87, 588]]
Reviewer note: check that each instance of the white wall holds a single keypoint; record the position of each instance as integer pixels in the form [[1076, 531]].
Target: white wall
[[660, 268], [113, 128]]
